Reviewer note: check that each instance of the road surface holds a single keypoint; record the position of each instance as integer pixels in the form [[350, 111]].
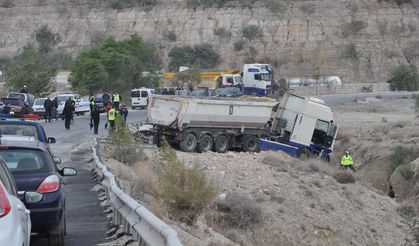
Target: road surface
[[86, 224]]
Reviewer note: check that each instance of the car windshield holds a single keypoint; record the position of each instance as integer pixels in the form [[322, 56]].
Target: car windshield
[[26, 160], [19, 130], [17, 95], [62, 98], [39, 102]]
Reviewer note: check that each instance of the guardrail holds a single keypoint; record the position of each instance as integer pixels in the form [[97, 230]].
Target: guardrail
[[134, 218]]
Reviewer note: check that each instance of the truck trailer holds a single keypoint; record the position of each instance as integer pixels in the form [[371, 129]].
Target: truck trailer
[[204, 124]]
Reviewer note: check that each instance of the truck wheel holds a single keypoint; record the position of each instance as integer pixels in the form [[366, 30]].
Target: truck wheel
[[221, 144], [304, 154], [206, 143], [188, 144], [251, 143]]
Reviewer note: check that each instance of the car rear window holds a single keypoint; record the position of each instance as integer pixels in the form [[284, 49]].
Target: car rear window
[[26, 160], [40, 102], [17, 95], [19, 130], [135, 93]]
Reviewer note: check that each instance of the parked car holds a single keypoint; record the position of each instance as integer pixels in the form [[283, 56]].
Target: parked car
[[27, 98], [15, 221], [102, 100], [23, 127], [202, 92], [1, 107], [81, 106], [38, 106], [15, 104], [228, 92], [34, 169]]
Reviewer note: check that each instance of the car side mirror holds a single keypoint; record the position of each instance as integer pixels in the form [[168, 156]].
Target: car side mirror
[[33, 197], [57, 160], [68, 171], [52, 140]]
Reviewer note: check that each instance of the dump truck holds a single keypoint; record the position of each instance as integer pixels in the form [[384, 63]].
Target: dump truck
[[204, 124], [302, 127]]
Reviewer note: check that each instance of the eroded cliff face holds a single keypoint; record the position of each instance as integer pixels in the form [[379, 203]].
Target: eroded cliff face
[[360, 41]]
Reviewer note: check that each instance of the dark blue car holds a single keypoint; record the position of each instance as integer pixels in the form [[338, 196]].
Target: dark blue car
[[35, 169], [24, 128]]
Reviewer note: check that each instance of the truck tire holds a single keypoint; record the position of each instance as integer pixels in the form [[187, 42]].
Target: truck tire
[[206, 143], [188, 144], [251, 143], [221, 144], [303, 154]]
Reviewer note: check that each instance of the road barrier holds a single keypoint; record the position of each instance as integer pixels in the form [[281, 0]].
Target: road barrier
[[134, 218]]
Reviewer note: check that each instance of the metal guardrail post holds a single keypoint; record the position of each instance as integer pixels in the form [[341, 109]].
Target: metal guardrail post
[[132, 216]]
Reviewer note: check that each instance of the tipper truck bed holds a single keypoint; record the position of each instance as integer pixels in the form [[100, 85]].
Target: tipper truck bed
[[204, 124]]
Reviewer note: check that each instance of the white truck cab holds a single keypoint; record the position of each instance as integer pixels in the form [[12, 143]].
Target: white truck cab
[[257, 79], [140, 97]]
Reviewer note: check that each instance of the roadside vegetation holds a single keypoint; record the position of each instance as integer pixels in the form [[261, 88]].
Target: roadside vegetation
[[186, 191], [405, 78], [36, 64], [114, 65], [201, 56]]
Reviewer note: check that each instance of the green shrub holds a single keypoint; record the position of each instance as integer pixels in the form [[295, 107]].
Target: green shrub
[[46, 39], [186, 191], [276, 6], [351, 52], [405, 77], [7, 3], [401, 156], [417, 103], [353, 27], [252, 32], [239, 45], [202, 56], [222, 33]]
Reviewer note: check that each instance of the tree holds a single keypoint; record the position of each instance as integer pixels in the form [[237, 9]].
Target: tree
[[405, 77], [46, 39], [32, 72], [190, 77], [114, 65], [202, 56]]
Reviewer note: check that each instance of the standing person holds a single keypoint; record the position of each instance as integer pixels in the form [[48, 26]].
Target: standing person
[[124, 112], [116, 99], [68, 113], [94, 119], [112, 117], [55, 108], [73, 107], [48, 109], [7, 109], [24, 89], [347, 162], [92, 103]]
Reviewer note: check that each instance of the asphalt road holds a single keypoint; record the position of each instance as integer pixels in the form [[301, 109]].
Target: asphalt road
[[336, 99], [86, 223]]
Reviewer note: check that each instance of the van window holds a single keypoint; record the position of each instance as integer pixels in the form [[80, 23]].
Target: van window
[[144, 94], [135, 94]]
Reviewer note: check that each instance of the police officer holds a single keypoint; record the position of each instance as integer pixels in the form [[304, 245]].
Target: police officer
[[347, 162], [68, 113], [112, 117], [116, 100], [92, 103], [94, 119]]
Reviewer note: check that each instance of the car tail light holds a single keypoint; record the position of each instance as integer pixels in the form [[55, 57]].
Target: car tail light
[[4, 203], [50, 184]]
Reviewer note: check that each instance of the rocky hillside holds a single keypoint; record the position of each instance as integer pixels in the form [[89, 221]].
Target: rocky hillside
[[361, 41]]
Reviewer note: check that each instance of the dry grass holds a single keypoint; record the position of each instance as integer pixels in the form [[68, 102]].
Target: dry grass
[[344, 177], [239, 211]]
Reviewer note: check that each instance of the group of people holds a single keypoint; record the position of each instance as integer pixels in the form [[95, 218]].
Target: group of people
[[50, 107], [112, 109]]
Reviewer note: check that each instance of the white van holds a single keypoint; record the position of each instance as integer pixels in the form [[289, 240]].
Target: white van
[[139, 97]]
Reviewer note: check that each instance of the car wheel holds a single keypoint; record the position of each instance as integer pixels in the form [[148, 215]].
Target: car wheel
[[206, 143], [56, 237], [251, 143], [188, 144], [221, 144]]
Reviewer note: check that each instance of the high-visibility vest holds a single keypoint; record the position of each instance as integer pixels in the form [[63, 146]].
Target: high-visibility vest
[[112, 114], [116, 98], [346, 160], [92, 100]]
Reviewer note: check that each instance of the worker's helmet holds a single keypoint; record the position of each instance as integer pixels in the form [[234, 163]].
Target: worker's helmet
[[347, 152], [25, 86]]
